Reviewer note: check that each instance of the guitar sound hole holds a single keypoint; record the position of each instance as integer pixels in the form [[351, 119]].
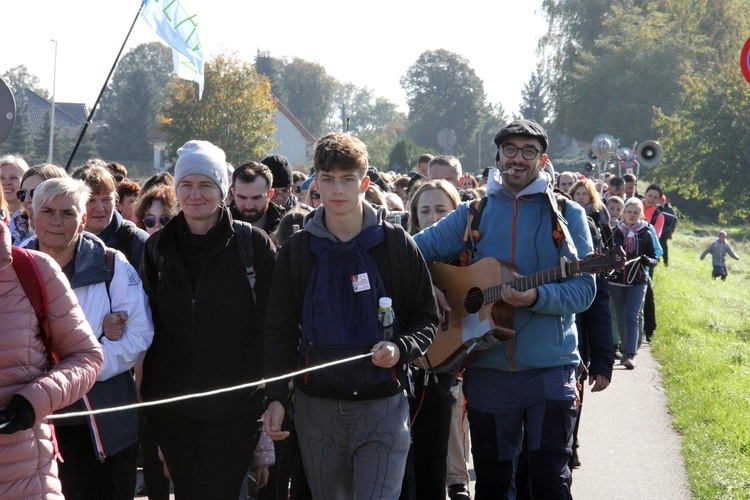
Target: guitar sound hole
[[474, 300]]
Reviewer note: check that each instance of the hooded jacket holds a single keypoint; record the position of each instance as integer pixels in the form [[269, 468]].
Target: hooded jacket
[[413, 302], [27, 462], [99, 292], [518, 230], [209, 336]]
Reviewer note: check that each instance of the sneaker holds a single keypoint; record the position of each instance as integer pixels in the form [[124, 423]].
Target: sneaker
[[618, 354], [458, 491], [574, 461], [628, 364]]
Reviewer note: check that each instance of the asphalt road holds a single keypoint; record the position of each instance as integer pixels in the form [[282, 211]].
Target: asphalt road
[[628, 448]]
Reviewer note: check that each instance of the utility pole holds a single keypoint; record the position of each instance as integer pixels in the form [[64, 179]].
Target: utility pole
[[52, 110]]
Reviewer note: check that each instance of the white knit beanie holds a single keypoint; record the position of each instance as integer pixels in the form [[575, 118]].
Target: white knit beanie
[[202, 157]]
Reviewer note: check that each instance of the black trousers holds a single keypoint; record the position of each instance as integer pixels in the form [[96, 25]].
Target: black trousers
[[157, 485], [84, 476], [206, 459], [431, 416]]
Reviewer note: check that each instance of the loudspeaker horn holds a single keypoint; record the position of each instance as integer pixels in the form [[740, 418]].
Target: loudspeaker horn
[[649, 153], [604, 146], [591, 156], [624, 154], [7, 110]]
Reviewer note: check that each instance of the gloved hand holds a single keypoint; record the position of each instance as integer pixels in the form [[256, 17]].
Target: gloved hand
[[19, 414], [645, 260]]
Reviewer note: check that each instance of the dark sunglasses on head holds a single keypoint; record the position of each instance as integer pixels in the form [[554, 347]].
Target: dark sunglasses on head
[[21, 194], [314, 195], [150, 222]]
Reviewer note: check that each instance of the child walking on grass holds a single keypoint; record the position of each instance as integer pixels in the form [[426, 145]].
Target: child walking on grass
[[719, 250]]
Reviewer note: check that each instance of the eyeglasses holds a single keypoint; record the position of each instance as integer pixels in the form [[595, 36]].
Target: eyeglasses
[[21, 194], [314, 195], [150, 222], [528, 153]]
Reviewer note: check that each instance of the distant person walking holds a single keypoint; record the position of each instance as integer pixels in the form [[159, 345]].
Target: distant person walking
[[719, 250]]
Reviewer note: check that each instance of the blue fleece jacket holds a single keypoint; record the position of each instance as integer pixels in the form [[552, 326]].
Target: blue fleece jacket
[[518, 229]]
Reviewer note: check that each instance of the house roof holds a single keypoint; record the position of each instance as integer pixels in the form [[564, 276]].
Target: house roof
[[157, 133], [67, 115], [307, 135]]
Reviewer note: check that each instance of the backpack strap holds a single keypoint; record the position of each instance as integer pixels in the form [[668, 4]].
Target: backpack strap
[[32, 283], [471, 234], [243, 232], [125, 237], [398, 258], [659, 209]]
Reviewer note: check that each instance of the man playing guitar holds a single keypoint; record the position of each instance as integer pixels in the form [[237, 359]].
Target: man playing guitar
[[527, 383]]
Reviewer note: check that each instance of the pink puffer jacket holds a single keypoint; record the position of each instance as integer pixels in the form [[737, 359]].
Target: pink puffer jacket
[[27, 464]]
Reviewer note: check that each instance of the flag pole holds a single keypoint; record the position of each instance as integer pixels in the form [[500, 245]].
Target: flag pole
[[101, 93]]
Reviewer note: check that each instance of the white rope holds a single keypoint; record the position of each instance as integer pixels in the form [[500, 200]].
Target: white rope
[[204, 394]]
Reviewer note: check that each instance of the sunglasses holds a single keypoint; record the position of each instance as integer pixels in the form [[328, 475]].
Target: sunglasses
[[314, 195], [150, 222], [297, 189], [21, 194]]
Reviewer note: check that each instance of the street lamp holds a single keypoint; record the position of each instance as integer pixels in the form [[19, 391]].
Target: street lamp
[[52, 112]]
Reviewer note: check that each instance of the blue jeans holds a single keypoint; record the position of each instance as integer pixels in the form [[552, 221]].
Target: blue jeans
[[501, 407], [628, 301]]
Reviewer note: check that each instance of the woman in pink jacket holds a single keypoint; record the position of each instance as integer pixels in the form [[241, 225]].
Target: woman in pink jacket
[[28, 391]]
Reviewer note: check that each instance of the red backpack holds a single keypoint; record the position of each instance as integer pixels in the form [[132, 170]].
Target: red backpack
[[31, 280]]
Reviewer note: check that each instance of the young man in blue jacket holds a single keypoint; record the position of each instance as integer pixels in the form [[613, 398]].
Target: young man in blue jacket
[[525, 384]]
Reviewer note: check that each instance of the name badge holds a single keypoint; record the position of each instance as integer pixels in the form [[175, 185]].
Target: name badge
[[360, 283]]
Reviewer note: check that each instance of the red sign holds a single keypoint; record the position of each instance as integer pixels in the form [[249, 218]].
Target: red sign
[[744, 61]]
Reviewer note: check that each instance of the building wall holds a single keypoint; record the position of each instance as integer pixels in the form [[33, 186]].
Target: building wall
[[289, 141]]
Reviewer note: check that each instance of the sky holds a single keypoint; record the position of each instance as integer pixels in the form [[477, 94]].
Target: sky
[[370, 46]]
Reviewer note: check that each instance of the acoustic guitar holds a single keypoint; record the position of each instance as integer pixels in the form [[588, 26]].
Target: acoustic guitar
[[479, 319]]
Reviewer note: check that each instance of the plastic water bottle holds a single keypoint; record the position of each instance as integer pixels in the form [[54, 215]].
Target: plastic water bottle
[[386, 317]]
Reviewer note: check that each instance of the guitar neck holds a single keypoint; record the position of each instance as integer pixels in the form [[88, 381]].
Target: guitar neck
[[492, 294]]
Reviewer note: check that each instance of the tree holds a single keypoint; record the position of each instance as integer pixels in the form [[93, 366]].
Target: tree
[[492, 119], [236, 112], [640, 61], [706, 147], [303, 86], [404, 155], [19, 78], [443, 91], [132, 100], [358, 110], [534, 98], [308, 93]]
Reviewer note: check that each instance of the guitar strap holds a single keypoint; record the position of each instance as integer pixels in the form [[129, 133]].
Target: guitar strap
[[560, 231], [471, 235]]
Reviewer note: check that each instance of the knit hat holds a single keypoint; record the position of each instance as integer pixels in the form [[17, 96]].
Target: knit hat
[[722, 233], [282, 172], [524, 128], [202, 157]]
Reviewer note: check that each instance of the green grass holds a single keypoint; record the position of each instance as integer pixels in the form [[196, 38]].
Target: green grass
[[703, 344]]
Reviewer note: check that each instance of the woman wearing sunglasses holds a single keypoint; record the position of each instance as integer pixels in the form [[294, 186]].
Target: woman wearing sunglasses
[[155, 208], [20, 227]]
